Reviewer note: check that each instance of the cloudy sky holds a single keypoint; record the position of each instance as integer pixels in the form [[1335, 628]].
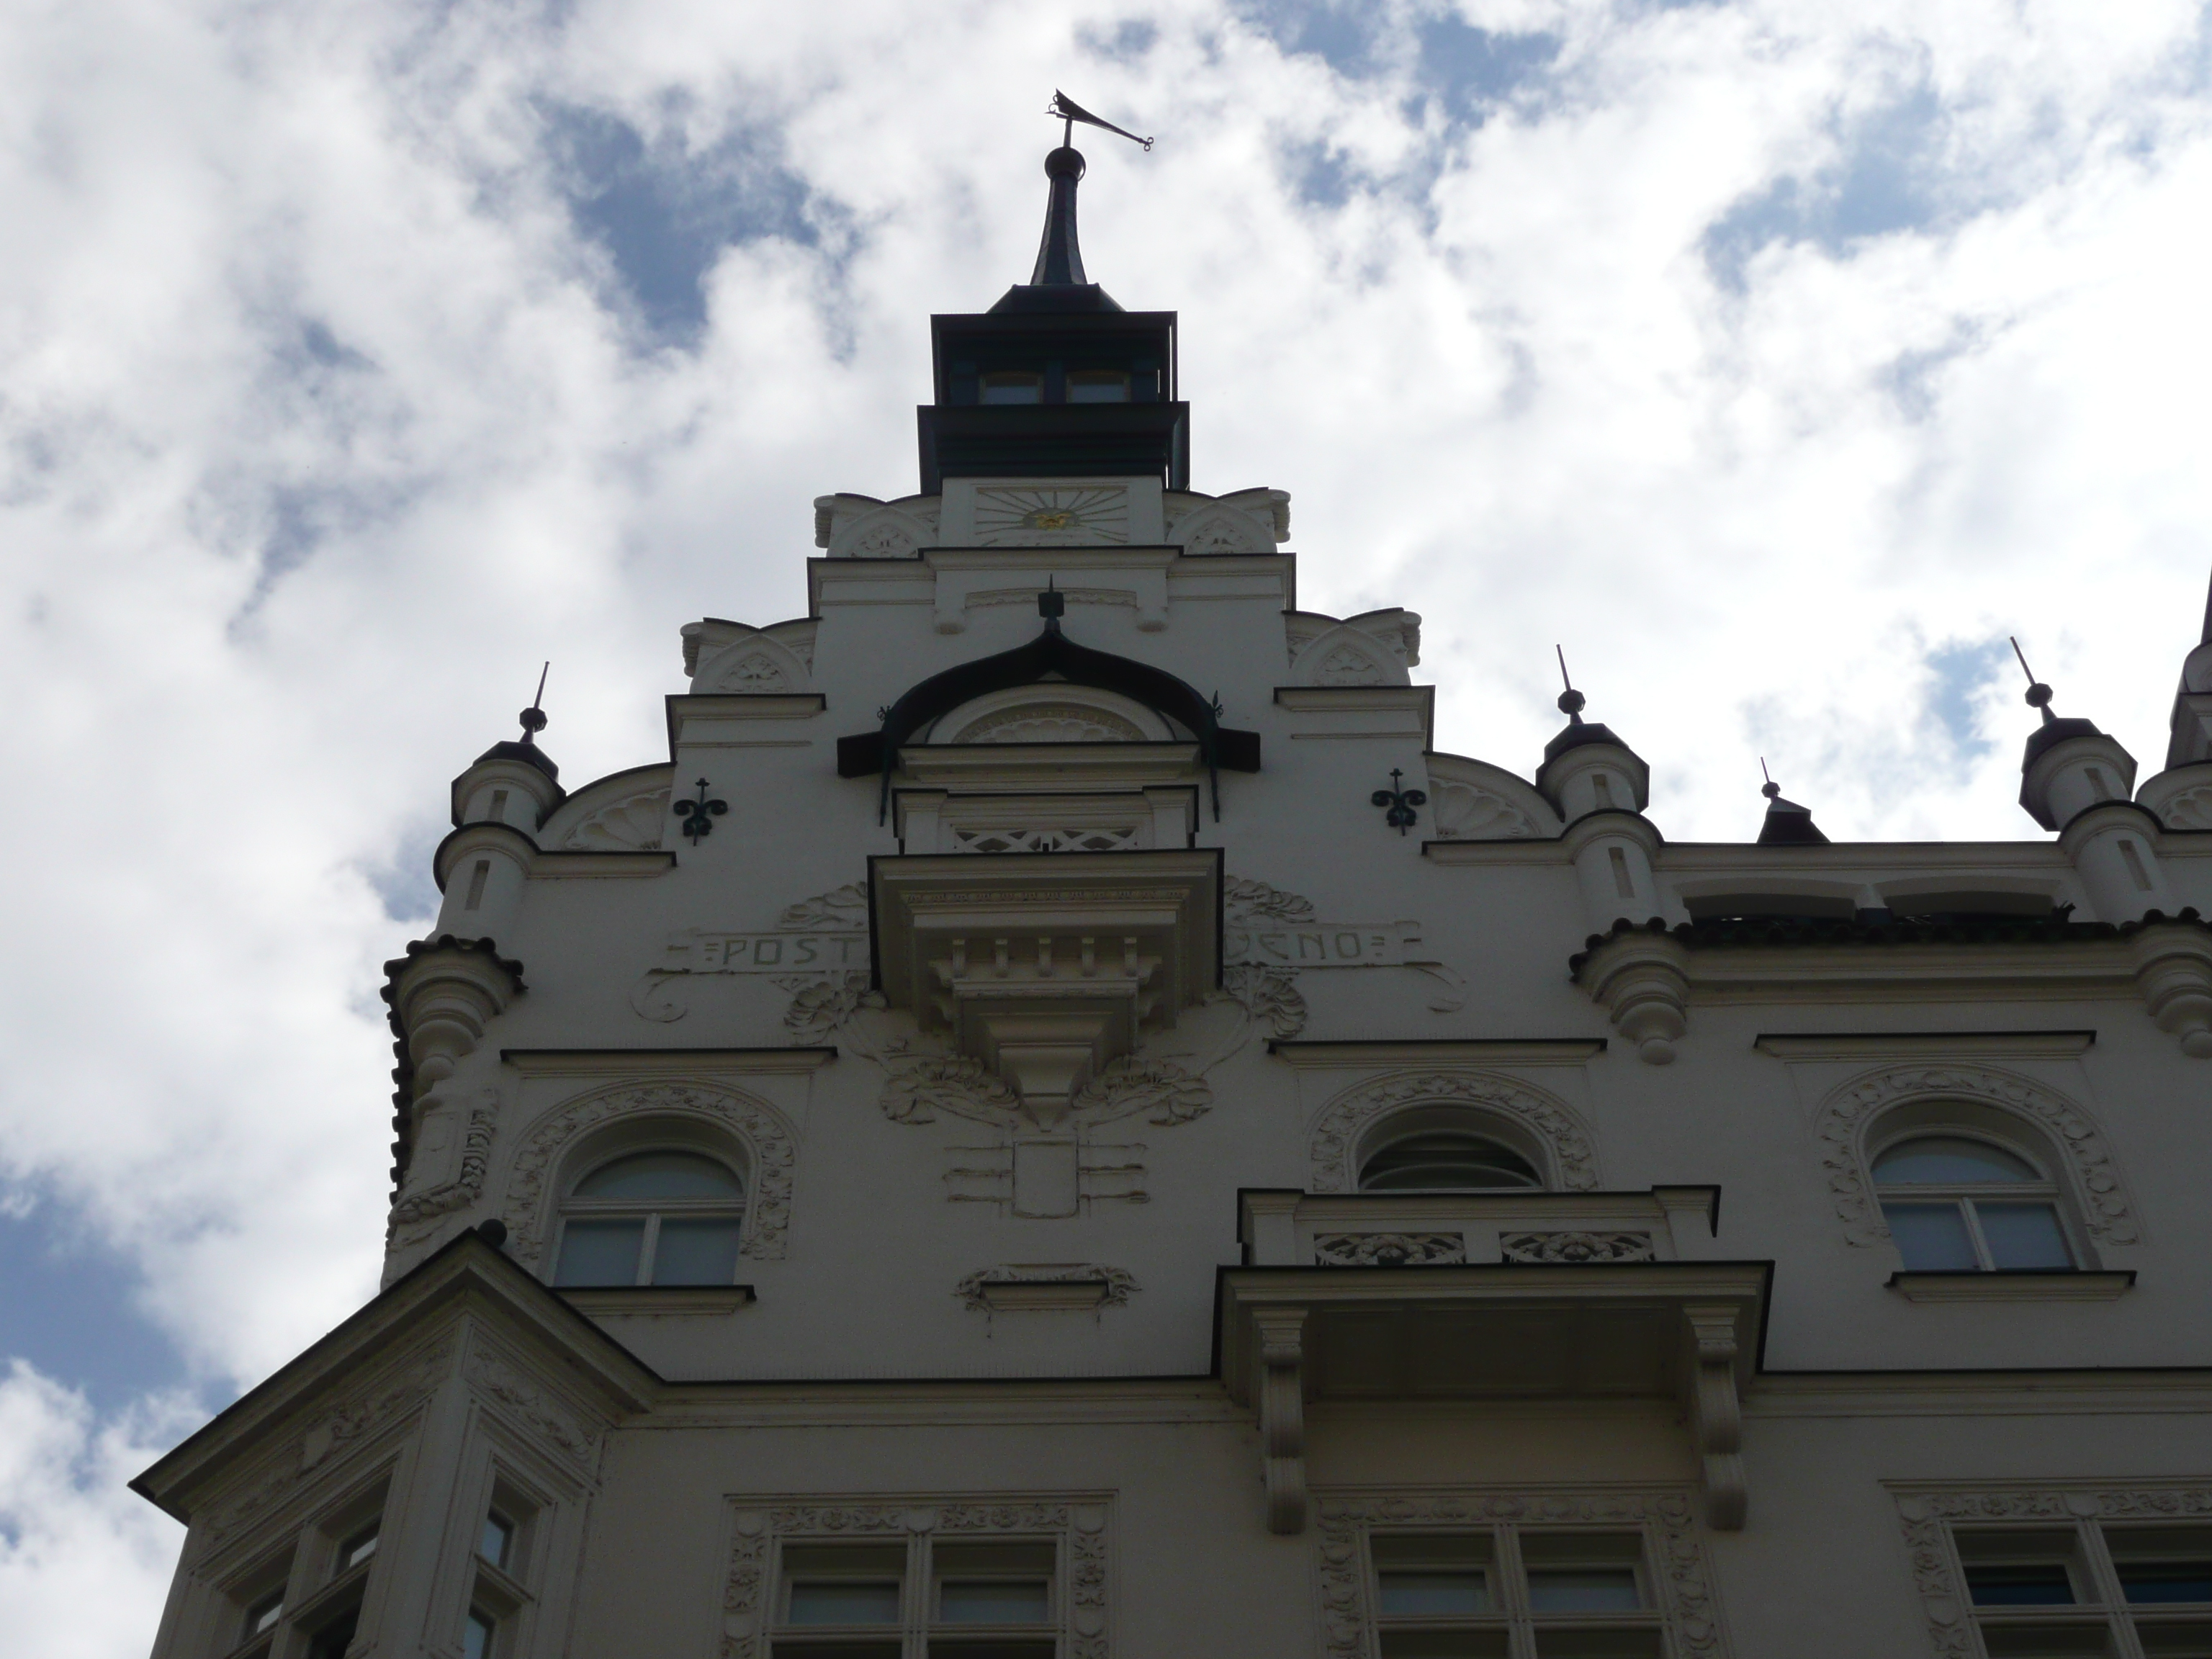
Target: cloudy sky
[[1778, 358]]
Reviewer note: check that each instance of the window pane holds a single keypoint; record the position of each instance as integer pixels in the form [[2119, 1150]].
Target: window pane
[[1013, 389], [1431, 1594], [1583, 1589], [1949, 1160], [2166, 1581], [973, 1601], [1095, 388], [358, 1548], [1931, 1238], [1446, 1160], [2024, 1235], [599, 1252], [498, 1537], [475, 1640], [843, 1601], [696, 1253], [2040, 1586], [264, 1614], [334, 1638], [660, 1174]]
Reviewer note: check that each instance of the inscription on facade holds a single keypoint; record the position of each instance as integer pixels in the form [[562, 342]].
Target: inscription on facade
[[695, 951], [1324, 945]]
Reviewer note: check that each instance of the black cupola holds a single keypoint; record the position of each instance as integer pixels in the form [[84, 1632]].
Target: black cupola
[[1055, 379]]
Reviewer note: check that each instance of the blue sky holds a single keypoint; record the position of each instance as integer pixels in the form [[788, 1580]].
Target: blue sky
[[1779, 359]]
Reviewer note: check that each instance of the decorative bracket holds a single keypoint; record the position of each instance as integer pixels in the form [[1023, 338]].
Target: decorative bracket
[[1717, 1414], [2173, 971], [442, 993], [1283, 1413], [1639, 978]]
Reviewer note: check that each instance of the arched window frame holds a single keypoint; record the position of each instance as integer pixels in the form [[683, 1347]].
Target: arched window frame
[[589, 1129], [1874, 1107], [1966, 1121], [1446, 1117], [610, 1149], [1540, 1125]]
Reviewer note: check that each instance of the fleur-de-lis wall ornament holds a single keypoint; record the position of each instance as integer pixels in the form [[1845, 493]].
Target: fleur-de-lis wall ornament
[[697, 820], [1400, 802]]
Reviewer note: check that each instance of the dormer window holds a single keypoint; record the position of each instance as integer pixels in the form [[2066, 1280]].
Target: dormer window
[[1092, 385], [1012, 387]]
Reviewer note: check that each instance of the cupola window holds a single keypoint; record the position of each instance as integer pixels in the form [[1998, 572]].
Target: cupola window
[[1956, 1205], [1093, 385], [662, 1217], [1447, 1160], [1012, 387]]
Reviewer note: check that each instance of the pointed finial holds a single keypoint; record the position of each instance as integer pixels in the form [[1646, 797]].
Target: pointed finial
[[2039, 694], [533, 718], [1052, 604], [1571, 702], [1059, 253], [1771, 789]]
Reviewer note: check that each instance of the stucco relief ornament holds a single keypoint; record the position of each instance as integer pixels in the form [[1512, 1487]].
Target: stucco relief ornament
[[1575, 1248], [431, 1206], [631, 824], [1551, 1120], [548, 1422], [1842, 1123], [767, 1137]]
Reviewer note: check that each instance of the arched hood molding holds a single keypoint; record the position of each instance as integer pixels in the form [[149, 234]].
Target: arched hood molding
[[1051, 653]]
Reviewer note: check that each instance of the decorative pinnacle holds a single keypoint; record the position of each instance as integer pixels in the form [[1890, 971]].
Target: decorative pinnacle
[[1052, 604], [533, 718], [1771, 789], [2039, 694], [1571, 702]]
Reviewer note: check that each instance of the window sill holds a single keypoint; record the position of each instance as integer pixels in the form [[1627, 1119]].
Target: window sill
[[655, 1301], [2029, 1286]]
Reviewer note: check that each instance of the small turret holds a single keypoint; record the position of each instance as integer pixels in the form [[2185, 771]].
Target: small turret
[[498, 803], [2076, 780]]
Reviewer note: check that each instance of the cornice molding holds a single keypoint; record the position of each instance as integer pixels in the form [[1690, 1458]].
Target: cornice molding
[[1882, 1045], [1382, 1053], [663, 1062]]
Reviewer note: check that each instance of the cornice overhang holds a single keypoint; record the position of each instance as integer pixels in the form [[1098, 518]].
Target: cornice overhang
[[540, 862], [466, 1278]]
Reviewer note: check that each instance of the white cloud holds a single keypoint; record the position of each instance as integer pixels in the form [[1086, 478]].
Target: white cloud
[[84, 1564], [321, 433]]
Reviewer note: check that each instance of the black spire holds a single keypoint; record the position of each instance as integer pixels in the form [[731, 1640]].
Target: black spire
[[527, 749], [1788, 824], [1059, 252]]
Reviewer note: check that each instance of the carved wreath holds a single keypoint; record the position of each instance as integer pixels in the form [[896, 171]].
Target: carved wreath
[[1923, 1515], [749, 1591], [1337, 1132], [767, 1137], [1843, 1121], [1665, 1519]]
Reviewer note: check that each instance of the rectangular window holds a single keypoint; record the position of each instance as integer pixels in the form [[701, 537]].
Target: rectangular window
[[478, 877], [264, 1614], [599, 1252], [497, 1540], [924, 1598], [2100, 1588], [1549, 1593], [1965, 1236], [358, 1548], [1086, 385], [479, 1637]]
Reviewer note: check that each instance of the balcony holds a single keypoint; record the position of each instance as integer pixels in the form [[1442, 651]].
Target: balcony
[[1472, 1296]]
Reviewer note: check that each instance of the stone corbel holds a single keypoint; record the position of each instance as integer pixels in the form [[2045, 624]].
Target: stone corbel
[[1716, 1413], [442, 995], [1281, 1333], [1640, 978], [2173, 971]]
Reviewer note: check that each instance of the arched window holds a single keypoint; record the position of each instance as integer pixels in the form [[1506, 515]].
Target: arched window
[[1957, 1204], [666, 1217], [1447, 1160]]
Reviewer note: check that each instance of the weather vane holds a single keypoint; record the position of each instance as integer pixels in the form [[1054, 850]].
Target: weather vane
[[1065, 108]]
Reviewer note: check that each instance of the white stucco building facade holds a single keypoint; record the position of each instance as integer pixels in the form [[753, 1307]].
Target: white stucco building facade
[[1062, 1121]]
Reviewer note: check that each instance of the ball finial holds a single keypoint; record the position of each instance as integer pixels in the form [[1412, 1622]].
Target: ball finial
[[1571, 703], [1771, 789], [2039, 695]]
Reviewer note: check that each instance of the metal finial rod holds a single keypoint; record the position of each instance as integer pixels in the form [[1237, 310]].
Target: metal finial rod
[[1066, 109], [533, 718], [1571, 702], [2039, 694], [1770, 788]]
